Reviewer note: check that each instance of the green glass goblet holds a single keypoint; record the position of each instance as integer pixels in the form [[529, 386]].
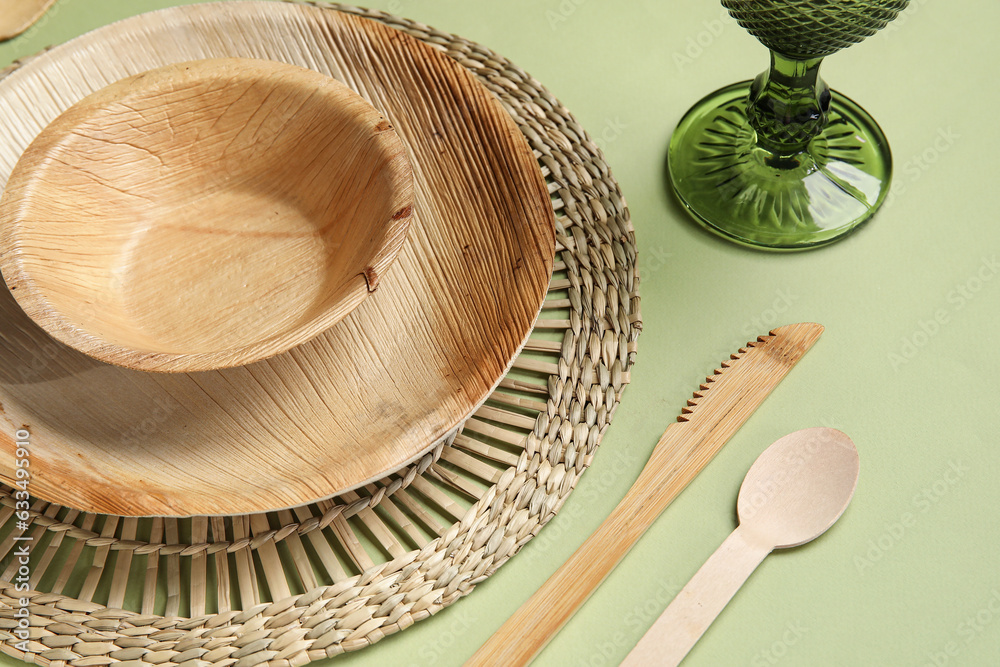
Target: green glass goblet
[[783, 162]]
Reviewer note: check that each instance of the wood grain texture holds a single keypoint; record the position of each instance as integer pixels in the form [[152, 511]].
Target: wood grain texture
[[794, 493], [346, 407], [594, 306], [16, 16], [204, 215], [717, 411]]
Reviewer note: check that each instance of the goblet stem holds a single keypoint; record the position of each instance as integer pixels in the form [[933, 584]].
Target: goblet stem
[[788, 104], [779, 162]]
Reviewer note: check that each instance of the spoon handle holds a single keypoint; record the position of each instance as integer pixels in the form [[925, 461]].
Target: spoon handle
[[712, 587]]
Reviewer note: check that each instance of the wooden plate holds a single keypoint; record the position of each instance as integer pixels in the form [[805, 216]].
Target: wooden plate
[[388, 383]]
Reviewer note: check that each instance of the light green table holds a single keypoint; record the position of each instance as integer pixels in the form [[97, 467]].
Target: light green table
[[909, 365]]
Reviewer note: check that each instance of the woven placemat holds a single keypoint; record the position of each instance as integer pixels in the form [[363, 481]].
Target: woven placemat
[[298, 585]]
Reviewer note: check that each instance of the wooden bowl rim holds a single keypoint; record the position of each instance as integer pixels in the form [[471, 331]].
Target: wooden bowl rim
[[544, 226], [23, 182]]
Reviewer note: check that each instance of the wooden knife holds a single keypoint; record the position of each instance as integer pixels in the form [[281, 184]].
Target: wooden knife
[[716, 412]]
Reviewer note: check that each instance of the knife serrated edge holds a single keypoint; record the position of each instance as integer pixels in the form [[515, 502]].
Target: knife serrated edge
[[706, 386], [759, 366], [728, 398]]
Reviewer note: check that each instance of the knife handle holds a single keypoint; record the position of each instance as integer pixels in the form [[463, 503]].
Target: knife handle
[[716, 412], [531, 627]]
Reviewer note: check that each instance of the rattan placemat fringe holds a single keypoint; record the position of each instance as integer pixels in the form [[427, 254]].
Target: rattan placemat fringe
[[298, 585]]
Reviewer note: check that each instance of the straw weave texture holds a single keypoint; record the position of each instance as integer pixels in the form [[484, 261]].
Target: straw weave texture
[[289, 587]]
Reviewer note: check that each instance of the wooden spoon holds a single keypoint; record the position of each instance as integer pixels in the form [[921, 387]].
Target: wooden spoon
[[16, 16], [793, 493]]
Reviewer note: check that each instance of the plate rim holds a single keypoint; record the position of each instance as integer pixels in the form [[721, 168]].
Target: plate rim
[[289, 11]]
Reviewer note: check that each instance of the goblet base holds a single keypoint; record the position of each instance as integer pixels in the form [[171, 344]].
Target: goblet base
[[772, 199]]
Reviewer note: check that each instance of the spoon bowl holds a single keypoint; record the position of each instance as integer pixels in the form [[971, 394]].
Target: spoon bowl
[[16, 16], [792, 494], [799, 487]]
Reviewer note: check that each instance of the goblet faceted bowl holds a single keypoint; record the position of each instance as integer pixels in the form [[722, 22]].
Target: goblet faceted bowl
[[806, 29]]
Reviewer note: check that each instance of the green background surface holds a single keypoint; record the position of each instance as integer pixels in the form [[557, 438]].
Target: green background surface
[[908, 366]]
